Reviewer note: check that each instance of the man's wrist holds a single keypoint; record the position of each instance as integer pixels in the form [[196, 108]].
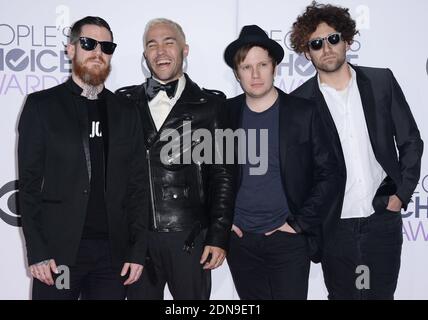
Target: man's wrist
[[44, 262]]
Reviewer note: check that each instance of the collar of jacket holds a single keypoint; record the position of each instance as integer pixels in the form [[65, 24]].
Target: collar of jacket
[[367, 100], [361, 80], [192, 93], [238, 104]]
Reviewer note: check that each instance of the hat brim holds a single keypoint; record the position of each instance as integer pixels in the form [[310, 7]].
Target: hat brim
[[272, 46]]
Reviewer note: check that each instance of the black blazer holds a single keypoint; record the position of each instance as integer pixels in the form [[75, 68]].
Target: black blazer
[[390, 125], [55, 170], [307, 162]]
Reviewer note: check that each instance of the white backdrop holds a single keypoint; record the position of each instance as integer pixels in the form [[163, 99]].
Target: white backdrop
[[32, 32]]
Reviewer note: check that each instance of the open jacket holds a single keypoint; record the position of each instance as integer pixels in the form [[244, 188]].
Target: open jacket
[[186, 195], [308, 165], [55, 174], [391, 128]]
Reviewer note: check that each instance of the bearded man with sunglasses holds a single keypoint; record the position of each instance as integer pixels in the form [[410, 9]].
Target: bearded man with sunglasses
[[369, 120], [82, 178]]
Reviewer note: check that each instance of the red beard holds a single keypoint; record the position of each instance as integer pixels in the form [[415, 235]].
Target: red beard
[[93, 76]]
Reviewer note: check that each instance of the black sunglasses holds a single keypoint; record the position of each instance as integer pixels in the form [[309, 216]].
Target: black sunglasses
[[333, 39], [89, 44]]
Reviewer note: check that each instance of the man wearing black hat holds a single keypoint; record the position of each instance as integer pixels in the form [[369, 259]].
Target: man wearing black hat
[[278, 213]]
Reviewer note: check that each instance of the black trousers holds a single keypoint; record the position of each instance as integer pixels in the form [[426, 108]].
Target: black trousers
[[269, 267], [375, 244], [167, 263], [93, 277]]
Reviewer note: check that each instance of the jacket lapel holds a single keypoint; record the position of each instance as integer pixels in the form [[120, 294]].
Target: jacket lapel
[[149, 127], [82, 116], [324, 110], [236, 108], [106, 116], [191, 95], [82, 119], [368, 102], [284, 119]]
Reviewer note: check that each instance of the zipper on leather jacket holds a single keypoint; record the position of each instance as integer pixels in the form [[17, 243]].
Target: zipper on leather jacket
[[200, 181], [152, 197]]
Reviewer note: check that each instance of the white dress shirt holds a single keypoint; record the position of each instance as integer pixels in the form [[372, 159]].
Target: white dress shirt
[[364, 173], [161, 105]]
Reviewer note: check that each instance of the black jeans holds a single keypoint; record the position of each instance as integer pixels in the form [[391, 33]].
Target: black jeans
[[168, 263], [269, 267], [93, 277], [375, 243]]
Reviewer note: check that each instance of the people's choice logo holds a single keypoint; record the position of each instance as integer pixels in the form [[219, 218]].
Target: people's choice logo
[[415, 219], [32, 57]]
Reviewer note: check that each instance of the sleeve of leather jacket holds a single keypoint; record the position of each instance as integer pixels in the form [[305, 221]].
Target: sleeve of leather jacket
[[221, 191], [31, 158], [137, 200], [326, 179], [408, 140]]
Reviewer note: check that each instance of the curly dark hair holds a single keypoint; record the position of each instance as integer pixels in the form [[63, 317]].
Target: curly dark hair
[[316, 13]]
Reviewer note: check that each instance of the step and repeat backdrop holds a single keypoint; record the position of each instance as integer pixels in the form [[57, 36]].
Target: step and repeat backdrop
[[32, 38]]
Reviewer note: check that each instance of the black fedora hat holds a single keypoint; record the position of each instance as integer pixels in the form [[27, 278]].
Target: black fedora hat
[[253, 35]]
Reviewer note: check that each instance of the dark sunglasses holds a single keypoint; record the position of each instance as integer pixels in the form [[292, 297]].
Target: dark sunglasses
[[90, 44], [333, 39]]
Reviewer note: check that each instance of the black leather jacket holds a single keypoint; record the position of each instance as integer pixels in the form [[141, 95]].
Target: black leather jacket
[[193, 195]]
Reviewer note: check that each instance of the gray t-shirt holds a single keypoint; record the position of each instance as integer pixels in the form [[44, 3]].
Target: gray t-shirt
[[261, 205]]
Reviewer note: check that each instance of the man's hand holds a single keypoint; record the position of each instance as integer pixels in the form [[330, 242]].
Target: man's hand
[[237, 231], [284, 228], [217, 257], [135, 271], [394, 203], [42, 271]]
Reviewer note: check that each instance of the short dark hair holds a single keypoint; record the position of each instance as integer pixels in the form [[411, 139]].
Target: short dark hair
[[316, 13], [76, 29], [242, 52]]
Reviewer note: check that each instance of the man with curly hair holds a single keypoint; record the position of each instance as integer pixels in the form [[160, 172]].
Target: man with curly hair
[[377, 139]]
